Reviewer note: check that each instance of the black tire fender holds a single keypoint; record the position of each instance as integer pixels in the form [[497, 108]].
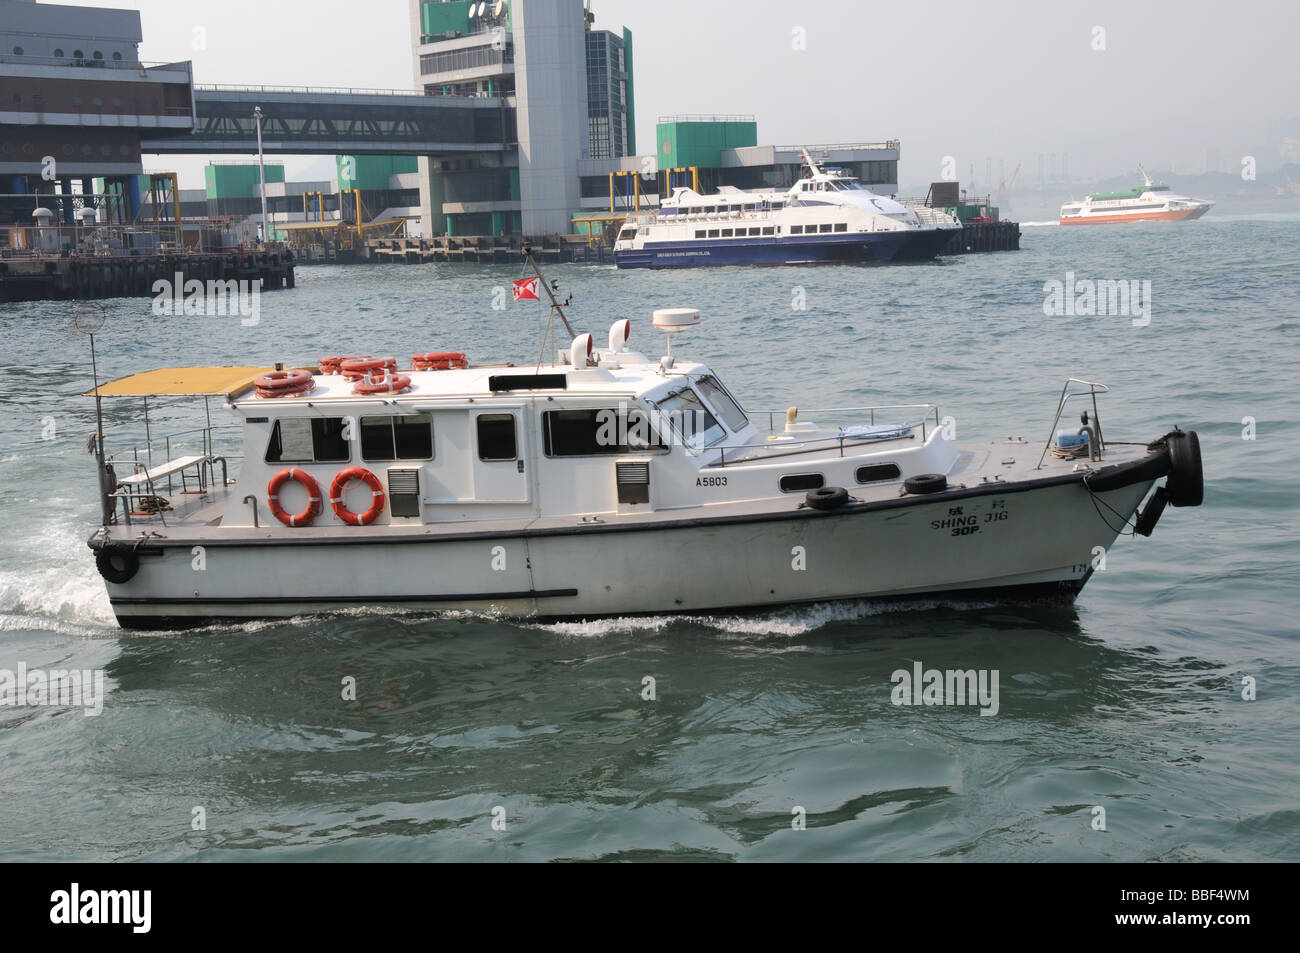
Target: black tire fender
[[117, 574], [827, 497], [1186, 483], [926, 483]]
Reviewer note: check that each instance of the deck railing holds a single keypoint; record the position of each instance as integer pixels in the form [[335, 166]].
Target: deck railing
[[928, 416]]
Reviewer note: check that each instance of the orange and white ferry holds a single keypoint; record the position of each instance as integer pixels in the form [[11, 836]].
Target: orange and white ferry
[[1144, 203]]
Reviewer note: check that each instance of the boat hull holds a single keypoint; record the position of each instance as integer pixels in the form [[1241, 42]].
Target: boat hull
[[896, 246], [1038, 540], [1179, 215]]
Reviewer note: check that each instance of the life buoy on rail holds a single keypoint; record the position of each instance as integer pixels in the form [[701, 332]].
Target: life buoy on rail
[[307, 516], [439, 361], [377, 498], [284, 383]]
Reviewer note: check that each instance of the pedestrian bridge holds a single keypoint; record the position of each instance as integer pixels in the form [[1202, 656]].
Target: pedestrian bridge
[[315, 121]]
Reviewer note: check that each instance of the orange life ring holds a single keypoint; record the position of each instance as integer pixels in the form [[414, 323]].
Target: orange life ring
[[285, 383], [376, 496], [330, 365], [387, 384], [307, 516], [355, 368], [439, 361]]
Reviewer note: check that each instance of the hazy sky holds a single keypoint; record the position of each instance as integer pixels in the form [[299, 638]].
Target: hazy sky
[[1178, 84]]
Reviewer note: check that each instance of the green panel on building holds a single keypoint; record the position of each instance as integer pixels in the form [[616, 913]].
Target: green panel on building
[[372, 172], [238, 181], [437, 18], [700, 143], [631, 92]]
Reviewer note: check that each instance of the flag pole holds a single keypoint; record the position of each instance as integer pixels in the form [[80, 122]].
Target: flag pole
[[556, 307]]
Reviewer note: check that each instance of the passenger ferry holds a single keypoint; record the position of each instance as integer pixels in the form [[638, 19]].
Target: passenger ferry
[[828, 216], [606, 482], [1148, 202]]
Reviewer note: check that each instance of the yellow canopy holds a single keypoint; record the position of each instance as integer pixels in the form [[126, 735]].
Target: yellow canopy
[[183, 381]]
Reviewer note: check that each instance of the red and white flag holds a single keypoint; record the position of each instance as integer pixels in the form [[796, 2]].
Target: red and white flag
[[526, 288]]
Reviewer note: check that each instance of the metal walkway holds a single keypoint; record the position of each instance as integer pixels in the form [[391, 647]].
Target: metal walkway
[[312, 121]]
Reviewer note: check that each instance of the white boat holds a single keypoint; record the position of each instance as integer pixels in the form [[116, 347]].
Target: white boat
[[827, 216], [606, 482], [1148, 202]]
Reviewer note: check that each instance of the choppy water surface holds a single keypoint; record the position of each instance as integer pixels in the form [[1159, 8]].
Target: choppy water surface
[[1131, 700]]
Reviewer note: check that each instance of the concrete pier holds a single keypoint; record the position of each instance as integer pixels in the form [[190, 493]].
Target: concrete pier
[[485, 249], [984, 236], [88, 277]]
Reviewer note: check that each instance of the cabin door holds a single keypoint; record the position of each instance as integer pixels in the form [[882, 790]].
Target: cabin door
[[501, 455]]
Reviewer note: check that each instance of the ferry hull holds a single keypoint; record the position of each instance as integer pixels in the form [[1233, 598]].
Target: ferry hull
[[1032, 540], [899, 246], [1180, 215]]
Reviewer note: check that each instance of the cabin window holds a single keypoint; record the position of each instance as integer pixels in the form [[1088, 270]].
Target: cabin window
[[308, 440], [590, 433], [802, 482], [841, 226], [880, 471], [695, 425], [769, 230], [726, 233], [713, 233], [496, 437], [777, 206], [826, 227], [384, 439], [754, 231], [709, 209], [751, 208], [722, 403], [700, 233], [796, 229]]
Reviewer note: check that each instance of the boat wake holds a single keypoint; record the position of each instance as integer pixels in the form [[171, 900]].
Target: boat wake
[[792, 622], [1038, 224]]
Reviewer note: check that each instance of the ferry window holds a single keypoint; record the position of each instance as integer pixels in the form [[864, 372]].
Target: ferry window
[[396, 438], [801, 482], [589, 433], [751, 208], [696, 427], [883, 471], [700, 233], [841, 226], [826, 227], [726, 233], [796, 229], [769, 230], [721, 402], [777, 206], [755, 231], [308, 440], [713, 233], [496, 437], [709, 209]]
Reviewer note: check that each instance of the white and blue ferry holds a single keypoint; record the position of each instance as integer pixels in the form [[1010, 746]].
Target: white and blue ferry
[[827, 216]]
